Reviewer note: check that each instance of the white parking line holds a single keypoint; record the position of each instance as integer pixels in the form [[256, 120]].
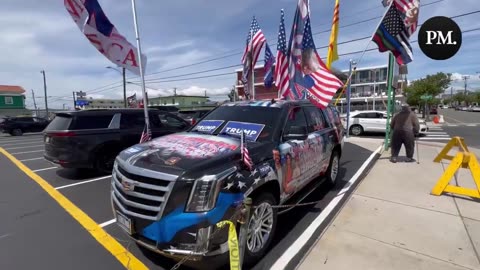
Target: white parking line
[[29, 159], [23, 147], [434, 138], [83, 182], [292, 251], [471, 125], [45, 169], [22, 143], [437, 135], [434, 132], [12, 141], [17, 153], [106, 223]]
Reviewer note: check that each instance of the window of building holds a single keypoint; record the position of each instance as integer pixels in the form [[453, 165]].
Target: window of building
[[9, 100]]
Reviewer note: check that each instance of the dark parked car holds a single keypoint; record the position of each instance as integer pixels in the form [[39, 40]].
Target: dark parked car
[[169, 193], [93, 138], [16, 126], [192, 116]]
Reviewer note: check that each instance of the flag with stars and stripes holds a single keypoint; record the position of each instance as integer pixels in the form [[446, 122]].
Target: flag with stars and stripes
[[246, 159], [146, 134], [255, 41], [282, 78], [392, 35], [318, 82], [268, 66], [409, 11], [295, 49]]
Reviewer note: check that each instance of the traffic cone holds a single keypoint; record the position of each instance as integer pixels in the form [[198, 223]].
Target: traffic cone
[[436, 120]]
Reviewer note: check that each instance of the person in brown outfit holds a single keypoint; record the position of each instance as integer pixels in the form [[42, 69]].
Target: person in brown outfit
[[405, 127]]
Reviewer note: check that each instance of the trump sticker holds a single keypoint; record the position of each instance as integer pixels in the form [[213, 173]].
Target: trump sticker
[[208, 126], [252, 131]]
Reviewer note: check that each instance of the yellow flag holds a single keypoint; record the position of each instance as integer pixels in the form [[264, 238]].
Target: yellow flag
[[332, 46]]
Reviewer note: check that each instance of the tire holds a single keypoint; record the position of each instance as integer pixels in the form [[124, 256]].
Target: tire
[[253, 253], [333, 169], [16, 132], [104, 160], [356, 130]]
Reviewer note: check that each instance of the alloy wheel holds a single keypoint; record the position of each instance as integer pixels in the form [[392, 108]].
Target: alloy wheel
[[260, 227]]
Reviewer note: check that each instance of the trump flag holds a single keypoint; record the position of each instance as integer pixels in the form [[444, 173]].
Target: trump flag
[[92, 21]]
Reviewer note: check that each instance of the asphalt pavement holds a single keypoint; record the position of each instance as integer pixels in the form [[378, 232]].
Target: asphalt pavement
[[462, 124], [58, 239]]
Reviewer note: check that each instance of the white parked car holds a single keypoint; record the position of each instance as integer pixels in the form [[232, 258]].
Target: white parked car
[[372, 121]]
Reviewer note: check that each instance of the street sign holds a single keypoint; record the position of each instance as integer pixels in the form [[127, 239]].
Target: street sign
[[426, 97]]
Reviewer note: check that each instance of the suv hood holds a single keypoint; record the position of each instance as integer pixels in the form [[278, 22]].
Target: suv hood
[[180, 152]]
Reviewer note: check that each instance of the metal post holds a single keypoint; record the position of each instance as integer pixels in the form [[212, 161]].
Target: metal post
[[45, 90], [139, 49], [74, 101], [124, 88], [348, 98], [391, 63], [247, 202], [34, 103], [374, 92]]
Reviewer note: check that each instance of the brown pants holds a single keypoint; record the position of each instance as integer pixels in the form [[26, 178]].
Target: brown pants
[[406, 138]]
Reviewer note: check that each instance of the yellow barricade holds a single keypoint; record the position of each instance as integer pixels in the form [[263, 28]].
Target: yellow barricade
[[463, 159], [232, 244]]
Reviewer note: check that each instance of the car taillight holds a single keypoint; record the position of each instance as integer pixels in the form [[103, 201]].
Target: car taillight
[[193, 121], [61, 134]]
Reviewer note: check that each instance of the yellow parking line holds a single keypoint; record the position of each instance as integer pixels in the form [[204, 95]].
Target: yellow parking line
[[107, 241]]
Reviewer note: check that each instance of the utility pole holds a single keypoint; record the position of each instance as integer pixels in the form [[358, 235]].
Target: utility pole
[[352, 64], [205, 93], [175, 91], [34, 103], [465, 78], [45, 90], [124, 88]]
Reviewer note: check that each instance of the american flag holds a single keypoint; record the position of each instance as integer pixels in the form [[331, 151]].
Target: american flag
[[268, 65], [282, 77], [295, 48], [392, 35], [257, 42], [409, 11], [146, 134], [244, 151], [318, 81]]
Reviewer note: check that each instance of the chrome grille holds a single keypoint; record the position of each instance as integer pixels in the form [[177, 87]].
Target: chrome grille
[[143, 196]]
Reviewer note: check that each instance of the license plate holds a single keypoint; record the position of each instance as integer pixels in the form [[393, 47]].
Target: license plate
[[124, 222]]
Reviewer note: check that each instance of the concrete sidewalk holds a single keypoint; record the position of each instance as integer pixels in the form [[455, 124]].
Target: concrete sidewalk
[[392, 222]]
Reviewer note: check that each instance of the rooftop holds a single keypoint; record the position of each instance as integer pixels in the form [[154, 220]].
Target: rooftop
[[11, 89], [178, 96]]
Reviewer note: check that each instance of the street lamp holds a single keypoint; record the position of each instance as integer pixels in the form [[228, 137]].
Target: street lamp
[[124, 84]]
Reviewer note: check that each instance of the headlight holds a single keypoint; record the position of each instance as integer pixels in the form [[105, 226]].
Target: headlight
[[203, 196]]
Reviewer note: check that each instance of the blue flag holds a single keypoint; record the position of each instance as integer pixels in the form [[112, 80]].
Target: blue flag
[[268, 66]]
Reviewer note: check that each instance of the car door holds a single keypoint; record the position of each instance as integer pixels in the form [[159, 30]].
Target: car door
[[361, 119], [39, 124], [322, 136], [131, 127], [27, 124], [382, 120]]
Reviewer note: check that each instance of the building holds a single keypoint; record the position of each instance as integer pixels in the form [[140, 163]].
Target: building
[[101, 103], [12, 100], [181, 101], [261, 92]]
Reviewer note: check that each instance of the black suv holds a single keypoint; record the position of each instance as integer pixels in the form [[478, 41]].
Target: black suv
[[169, 193], [93, 138], [16, 126]]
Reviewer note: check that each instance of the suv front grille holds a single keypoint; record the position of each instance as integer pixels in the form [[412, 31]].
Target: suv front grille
[[138, 195]]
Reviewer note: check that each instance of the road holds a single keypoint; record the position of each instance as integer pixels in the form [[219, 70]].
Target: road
[[36, 233], [462, 124]]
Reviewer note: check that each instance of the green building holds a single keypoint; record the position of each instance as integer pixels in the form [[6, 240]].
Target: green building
[[181, 101], [12, 100]]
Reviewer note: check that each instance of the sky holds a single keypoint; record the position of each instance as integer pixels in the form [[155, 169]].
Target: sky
[[41, 35]]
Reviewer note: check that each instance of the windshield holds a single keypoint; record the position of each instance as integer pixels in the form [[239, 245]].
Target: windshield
[[265, 116]]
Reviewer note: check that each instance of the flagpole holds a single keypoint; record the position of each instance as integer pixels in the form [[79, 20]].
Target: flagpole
[[142, 75], [252, 69]]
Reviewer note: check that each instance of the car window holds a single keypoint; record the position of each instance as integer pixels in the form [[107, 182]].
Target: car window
[[360, 115], [91, 122], [39, 120], [25, 119], [171, 121], [60, 122], [132, 120], [296, 117], [315, 119]]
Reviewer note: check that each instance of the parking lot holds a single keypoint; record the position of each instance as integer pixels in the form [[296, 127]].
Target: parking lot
[[89, 191]]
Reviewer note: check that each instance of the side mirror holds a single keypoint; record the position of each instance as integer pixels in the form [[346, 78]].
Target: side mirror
[[296, 133]]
